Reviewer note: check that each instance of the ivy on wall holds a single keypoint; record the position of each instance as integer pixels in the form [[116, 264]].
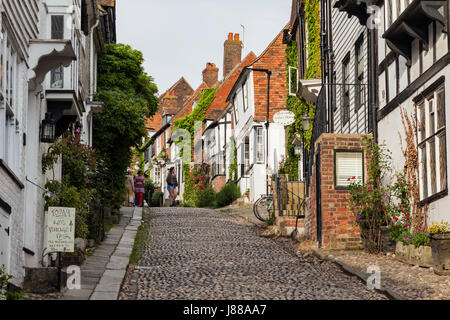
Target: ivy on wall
[[187, 123], [312, 14], [313, 71], [198, 114]]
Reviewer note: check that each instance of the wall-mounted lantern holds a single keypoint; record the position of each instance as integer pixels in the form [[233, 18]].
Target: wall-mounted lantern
[[48, 129], [306, 122]]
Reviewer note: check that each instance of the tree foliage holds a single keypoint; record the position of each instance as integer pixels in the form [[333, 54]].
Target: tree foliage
[[129, 95]]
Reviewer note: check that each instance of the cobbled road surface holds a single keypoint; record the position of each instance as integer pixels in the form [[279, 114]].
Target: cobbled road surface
[[204, 254]]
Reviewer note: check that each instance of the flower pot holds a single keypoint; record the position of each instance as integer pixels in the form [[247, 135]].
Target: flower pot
[[440, 247], [402, 252], [410, 254]]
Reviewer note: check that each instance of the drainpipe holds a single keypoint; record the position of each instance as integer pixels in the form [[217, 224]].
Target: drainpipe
[[91, 89], [373, 98], [269, 73], [330, 58]]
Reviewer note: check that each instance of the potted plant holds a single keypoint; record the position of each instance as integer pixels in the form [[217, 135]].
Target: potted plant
[[247, 193], [439, 234]]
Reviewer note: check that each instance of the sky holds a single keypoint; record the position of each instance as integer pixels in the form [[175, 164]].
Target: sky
[[178, 37]]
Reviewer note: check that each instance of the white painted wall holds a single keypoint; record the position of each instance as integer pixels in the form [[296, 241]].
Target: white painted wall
[[391, 126]]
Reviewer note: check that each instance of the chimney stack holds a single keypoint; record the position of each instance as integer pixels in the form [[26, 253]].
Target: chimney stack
[[232, 53], [210, 74]]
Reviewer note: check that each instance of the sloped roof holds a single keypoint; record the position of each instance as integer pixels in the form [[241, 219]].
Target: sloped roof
[[219, 103], [173, 87]]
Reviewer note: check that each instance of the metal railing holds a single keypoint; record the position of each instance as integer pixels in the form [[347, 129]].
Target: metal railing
[[319, 127], [217, 169], [290, 197]]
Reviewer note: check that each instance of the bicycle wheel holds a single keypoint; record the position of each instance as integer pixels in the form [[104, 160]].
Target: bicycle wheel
[[263, 208]]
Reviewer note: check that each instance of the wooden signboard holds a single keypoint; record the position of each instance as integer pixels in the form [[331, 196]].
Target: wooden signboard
[[61, 229]]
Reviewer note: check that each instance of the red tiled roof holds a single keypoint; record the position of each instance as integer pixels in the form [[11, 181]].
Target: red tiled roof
[[219, 103], [108, 3], [272, 58]]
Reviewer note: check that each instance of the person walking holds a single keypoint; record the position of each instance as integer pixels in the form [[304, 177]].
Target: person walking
[[129, 184], [172, 184], [139, 187]]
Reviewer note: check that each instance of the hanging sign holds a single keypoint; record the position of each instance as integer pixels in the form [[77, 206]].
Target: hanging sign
[[284, 117], [61, 229]]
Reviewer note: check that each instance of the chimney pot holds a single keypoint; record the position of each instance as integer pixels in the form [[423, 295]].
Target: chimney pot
[[210, 74], [232, 53]]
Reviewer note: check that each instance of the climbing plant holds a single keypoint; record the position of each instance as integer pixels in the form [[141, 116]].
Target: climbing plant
[[300, 107], [198, 113], [187, 123]]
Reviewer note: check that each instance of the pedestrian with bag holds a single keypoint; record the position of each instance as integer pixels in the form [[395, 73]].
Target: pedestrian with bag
[[172, 184], [139, 187]]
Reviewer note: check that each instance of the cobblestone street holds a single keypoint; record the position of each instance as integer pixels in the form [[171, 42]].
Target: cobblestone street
[[205, 254]]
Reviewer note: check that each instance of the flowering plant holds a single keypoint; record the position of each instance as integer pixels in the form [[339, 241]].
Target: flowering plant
[[399, 208], [442, 227], [77, 186], [369, 200], [198, 176]]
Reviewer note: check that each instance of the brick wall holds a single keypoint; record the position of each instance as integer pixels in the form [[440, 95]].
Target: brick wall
[[218, 182], [273, 59], [338, 231]]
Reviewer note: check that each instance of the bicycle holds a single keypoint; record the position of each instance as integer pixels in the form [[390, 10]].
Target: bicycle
[[263, 208]]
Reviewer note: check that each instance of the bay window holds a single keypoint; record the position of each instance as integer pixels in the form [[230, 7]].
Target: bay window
[[57, 32], [432, 143]]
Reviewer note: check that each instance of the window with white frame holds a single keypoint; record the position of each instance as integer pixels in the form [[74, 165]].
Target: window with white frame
[[349, 167], [9, 110], [236, 118], [157, 176], [432, 143], [259, 144], [57, 27], [359, 73], [245, 95], [57, 32], [246, 153]]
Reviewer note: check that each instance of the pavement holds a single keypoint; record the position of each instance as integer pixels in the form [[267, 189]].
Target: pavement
[[202, 254], [102, 273]]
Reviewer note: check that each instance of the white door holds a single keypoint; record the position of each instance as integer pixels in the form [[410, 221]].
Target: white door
[[4, 239]]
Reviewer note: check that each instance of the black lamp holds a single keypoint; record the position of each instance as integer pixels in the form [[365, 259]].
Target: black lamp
[[48, 129]]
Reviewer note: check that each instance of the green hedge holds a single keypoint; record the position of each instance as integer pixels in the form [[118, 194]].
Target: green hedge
[[156, 199], [228, 194]]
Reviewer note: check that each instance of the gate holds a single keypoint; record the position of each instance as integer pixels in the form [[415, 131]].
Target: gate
[[318, 198]]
